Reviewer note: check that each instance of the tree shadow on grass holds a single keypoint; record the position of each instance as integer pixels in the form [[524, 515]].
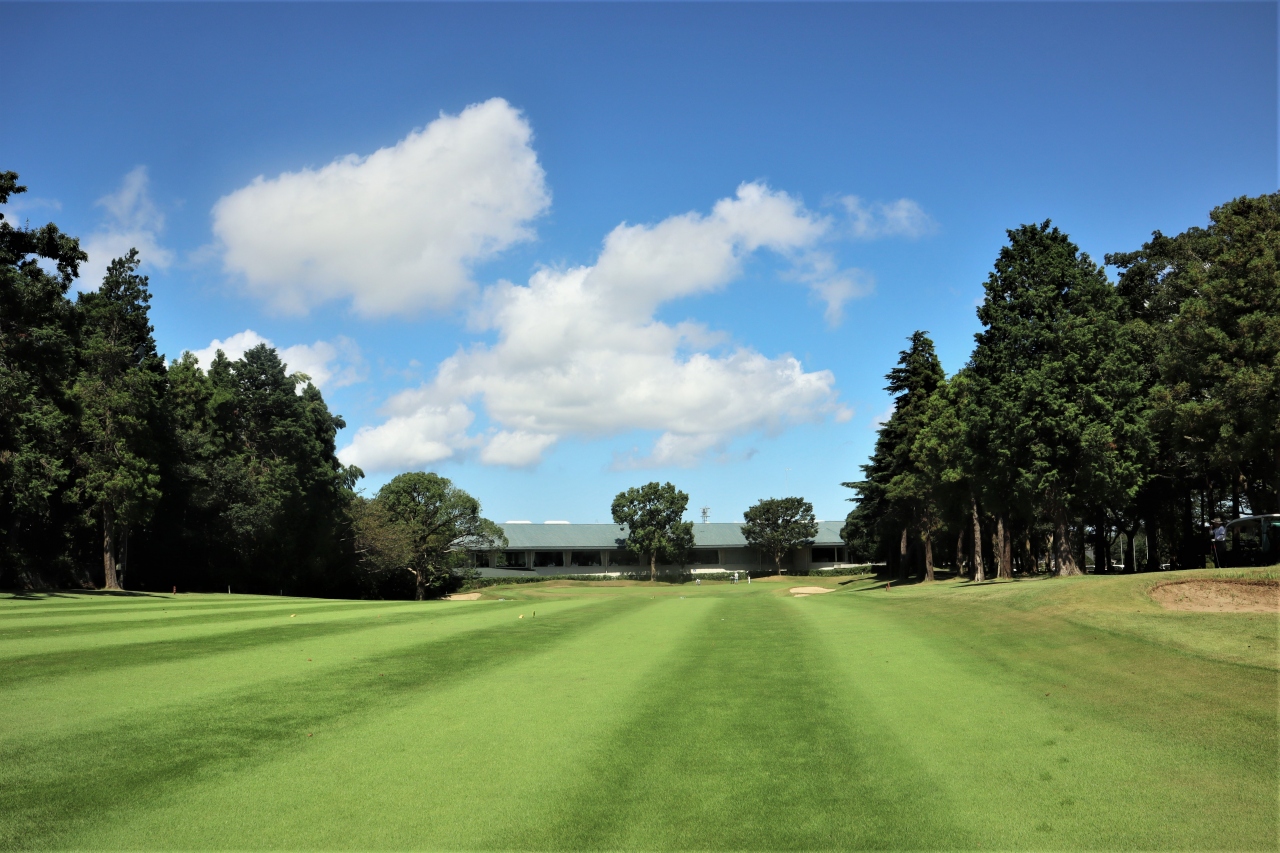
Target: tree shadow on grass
[[45, 595]]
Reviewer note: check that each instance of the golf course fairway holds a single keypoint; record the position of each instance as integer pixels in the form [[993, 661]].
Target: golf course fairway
[[1038, 714]]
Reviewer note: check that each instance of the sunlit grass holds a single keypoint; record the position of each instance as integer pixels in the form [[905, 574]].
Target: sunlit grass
[[1037, 714]]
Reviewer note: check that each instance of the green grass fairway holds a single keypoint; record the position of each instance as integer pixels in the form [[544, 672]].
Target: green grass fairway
[[1044, 714]]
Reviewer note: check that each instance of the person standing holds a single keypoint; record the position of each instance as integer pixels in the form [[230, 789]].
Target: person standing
[[1219, 543]]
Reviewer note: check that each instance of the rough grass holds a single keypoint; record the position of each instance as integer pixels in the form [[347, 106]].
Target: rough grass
[[1027, 715]]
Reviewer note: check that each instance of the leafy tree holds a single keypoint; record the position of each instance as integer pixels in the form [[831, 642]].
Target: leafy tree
[[777, 526], [653, 515], [945, 465], [1208, 301], [120, 389], [37, 412], [912, 488], [252, 480], [1060, 384], [895, 497], [423, 524]]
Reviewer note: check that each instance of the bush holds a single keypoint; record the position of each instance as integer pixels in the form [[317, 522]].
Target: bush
[[844, 571], [481, 583]]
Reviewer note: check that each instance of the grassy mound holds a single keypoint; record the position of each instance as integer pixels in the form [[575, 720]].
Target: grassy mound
[[1032, 714]]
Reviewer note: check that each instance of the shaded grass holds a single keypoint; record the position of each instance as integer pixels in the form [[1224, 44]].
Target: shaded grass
[[1027, 715]]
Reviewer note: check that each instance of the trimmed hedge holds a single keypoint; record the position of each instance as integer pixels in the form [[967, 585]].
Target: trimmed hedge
[[481, 583]]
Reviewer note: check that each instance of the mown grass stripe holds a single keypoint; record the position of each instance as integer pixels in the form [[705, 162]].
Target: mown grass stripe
[[435, 772], [1032, 751], [42, 800], [743, 745], [42, 708], [102, 628], [89, 657], [17, 606]]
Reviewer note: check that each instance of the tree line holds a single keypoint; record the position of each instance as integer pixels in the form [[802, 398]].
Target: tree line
[[1089, 412], [1091, 415], [117, 468]]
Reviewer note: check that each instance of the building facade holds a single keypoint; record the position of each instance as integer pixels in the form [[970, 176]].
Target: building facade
[[594, 549]]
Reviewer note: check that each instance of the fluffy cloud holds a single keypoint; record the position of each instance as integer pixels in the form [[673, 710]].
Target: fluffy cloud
[[395, 231], [901, 218], [328, 364], [579, 352], [419, 437], [132, 222]]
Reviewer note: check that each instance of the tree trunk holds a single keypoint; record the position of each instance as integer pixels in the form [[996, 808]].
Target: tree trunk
[[1064, 560], [1004, 547], [960, 552], [928, 556], [653, 566], [420, 584], [1131, 549], [1153, 545], [122, 569], [1101, 547], [1181, 552], [978, 574], [110, 581], [904, 568]]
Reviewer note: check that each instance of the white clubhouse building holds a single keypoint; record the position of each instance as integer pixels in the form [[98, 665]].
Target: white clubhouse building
[[560, 548]]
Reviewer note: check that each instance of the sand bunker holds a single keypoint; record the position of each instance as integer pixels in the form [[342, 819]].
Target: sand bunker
[[1220, 596], [802, 591], [462, 596]]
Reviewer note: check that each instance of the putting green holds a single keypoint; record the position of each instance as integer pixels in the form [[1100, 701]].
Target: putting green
[[1037, 714]]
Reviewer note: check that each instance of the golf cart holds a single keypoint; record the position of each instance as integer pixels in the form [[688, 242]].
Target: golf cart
[[1252, 541]]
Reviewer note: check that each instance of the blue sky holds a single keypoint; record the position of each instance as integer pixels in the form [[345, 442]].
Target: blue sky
[[552, 251]]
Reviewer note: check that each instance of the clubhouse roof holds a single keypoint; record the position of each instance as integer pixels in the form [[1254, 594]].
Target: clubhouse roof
[[557, 548]]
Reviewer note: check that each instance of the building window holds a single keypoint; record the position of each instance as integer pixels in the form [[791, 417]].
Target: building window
[[513, 560], [822, 555], [480, 559], [704, 557], [623, 558], [585, 558], [546, 559]]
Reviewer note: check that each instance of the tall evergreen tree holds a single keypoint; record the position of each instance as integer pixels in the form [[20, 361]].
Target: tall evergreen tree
[[253, 481], [1211, 299], [1060, 383], [945, 463], [120, 389], [37, 411], [896, 494]]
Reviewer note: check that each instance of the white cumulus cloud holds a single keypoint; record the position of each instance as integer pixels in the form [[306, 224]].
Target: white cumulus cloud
[[579, 352], [418, 437], [132, 222], [329, 364], [395, 231]]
